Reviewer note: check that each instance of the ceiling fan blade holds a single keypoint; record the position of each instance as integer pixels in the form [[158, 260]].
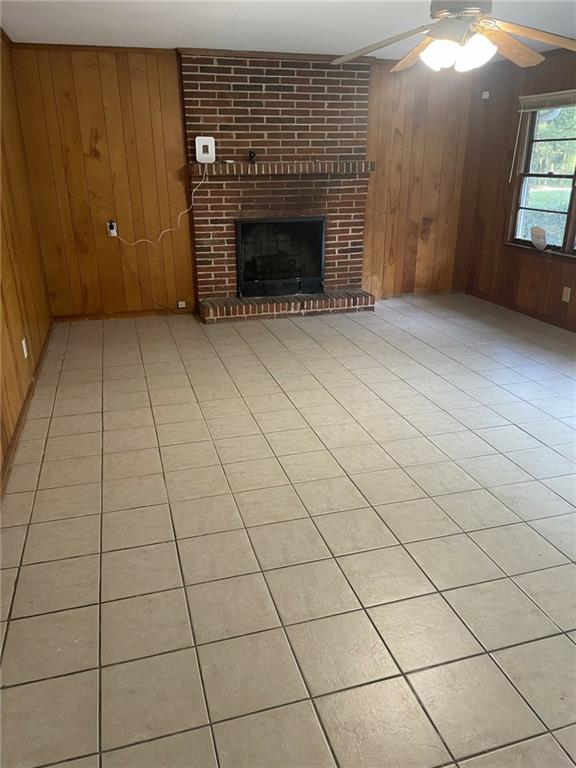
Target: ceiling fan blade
[[412, 56], [512, 49], [537, 34], [382, 44]]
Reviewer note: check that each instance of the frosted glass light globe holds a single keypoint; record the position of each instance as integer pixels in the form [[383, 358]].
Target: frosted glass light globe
[[477, 51], [440, 54]]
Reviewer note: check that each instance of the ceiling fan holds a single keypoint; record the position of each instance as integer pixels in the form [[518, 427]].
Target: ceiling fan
[[465, 36]]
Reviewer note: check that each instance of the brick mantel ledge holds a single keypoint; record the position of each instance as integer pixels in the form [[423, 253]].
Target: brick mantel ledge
[[320, 168]]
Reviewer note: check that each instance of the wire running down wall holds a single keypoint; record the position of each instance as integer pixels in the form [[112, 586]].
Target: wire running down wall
[[104, 140]]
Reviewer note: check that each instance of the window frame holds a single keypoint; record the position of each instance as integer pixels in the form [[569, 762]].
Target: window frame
[[526, 144]]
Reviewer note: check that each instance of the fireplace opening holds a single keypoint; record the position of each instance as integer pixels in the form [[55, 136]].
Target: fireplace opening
[[279, 257]]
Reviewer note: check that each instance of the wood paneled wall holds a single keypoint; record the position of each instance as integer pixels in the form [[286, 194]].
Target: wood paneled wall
[[103, 136], [104, 140], [417, 137], [25, 308], [510, 275]]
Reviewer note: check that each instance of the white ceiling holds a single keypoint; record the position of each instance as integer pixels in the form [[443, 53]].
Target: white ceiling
[[323, 26]]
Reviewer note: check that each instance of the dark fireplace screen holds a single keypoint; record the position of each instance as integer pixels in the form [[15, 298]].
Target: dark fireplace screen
[[279, 257]]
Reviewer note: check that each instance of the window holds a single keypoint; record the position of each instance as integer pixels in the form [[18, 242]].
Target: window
[[545, 195]]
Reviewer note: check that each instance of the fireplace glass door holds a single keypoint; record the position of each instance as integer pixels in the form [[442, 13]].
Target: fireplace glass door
[[279, 257]]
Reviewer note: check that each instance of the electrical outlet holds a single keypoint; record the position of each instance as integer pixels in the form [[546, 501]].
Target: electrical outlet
[[181, 305], [112, 228], [566, 291], [205, 149], [24, 349], [485, 95]]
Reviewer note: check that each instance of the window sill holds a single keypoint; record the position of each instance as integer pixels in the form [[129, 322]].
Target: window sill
[[548, 255]]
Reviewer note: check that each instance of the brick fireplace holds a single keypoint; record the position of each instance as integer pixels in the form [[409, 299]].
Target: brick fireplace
[[306, 123]]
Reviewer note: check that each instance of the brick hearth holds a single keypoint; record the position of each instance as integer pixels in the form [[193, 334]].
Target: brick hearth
[[306, 120], [212, 310]]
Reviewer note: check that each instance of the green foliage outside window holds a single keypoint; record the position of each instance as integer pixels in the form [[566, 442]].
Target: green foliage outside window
[[546, 189]]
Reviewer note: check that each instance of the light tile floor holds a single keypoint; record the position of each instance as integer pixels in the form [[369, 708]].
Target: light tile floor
[[334, 541]]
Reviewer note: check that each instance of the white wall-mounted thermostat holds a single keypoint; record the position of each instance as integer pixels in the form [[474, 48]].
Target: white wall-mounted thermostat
[[205, 149]]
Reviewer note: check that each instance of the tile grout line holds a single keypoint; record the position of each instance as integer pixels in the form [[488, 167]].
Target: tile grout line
[[25, 540], [368, 505], [323, 515], [311, 516], [489, 751], [385, 644], [483, 652], [100, 692], [360, 604], [500, 667], [271, 570], [185, 597], [406, 678], [287, 640], [508, 576]]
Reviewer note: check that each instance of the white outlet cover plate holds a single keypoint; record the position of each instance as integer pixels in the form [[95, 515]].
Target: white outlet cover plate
[[205, 149]]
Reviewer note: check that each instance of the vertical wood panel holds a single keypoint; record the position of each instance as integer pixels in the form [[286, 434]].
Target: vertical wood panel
[[120, 177], [147, 166], [414, 181], [447, 266], [25, 310], [410, 94], [373, 151], [417, 129], [79, 194], [67, 268], [176, 173], [97, 170], [438, 120], [35, 133], [394, 187], [141, 276], [103, 139], [165, 214]]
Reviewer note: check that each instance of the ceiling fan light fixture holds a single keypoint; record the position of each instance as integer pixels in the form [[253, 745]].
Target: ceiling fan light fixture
[[464, 35], [477, 51], [440, 54]]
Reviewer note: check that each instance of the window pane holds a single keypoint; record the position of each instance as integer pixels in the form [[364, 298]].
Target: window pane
[[558, 123], [553, 223], [551, 194], [553, 157]]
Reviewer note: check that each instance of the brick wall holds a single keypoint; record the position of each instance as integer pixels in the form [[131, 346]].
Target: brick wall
[[283, 109], [287, 110]]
